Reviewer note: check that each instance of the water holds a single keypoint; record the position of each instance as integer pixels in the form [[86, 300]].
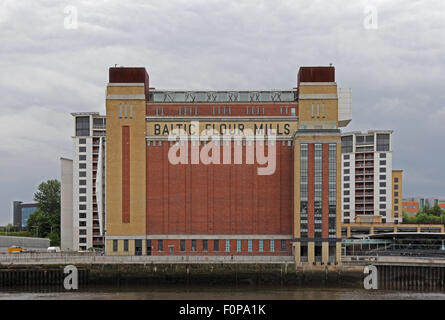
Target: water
[[217, 293]]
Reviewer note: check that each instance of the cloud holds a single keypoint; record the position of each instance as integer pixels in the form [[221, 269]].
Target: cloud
[[47, 71]]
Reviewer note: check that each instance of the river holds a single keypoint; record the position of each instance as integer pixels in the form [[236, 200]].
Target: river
[[217, 293]]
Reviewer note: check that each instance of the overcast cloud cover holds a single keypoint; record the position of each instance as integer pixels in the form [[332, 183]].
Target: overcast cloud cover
[[397, 72]]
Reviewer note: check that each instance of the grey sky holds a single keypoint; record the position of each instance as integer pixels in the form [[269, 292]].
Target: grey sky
[[396, 72]]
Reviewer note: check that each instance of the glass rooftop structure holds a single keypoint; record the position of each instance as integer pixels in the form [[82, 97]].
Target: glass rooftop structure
[[223, 96]]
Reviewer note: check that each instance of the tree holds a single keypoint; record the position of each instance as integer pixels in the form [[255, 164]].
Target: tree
[[46, 219], [435, 210], [38, 224], [48, 199]]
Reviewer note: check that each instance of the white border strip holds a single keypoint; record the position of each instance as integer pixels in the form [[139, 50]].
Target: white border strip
[[318, 83], [318, 96], [219, 118], [126, 97], [116, 84]]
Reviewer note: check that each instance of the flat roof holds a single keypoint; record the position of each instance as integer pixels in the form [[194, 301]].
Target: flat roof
[[365, 133], [398, 235]]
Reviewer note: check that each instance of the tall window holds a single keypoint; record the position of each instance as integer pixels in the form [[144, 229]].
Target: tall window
[[272, 245], [193, 245], [332, 216], [216, 245], [317, 190], [346, 144], [114, 245], [382, 141], [182, 245], [204, 245], [283, 245], [227, 245], [238, 245], [303, 190], [260, 246], [160, 245], [249, 245], [82, 126], [126, 245]]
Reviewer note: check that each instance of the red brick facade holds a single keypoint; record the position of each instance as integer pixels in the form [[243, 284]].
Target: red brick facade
[[217, 199], [125, 174]]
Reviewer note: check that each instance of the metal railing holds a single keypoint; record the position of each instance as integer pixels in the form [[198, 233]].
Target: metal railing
[[97, 258]]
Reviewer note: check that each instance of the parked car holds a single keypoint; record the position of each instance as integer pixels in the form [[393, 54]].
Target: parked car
[[53, 249]]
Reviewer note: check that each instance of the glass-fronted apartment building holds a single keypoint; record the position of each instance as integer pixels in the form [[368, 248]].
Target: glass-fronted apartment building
[[83, 178], [371, 189]]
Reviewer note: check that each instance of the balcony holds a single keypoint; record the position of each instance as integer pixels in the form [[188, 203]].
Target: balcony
[[99, 126], [363, 194], [98, 241]]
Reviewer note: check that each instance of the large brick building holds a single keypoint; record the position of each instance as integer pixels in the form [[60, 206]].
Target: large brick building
[[225, 205], [253, 172]]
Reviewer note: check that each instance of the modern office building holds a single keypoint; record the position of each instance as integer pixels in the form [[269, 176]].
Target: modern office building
[[21, 213], [412, 205], [199, 193], [83, 183], [371, 189]]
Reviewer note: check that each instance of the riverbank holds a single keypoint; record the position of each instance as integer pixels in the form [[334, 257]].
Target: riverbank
[[196, 274]]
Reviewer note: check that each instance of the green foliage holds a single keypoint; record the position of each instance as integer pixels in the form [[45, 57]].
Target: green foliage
[[427, 215], [17, 234], [38, 224], [407, 218], [45, 221], [9, 228], [48, 199], [54, 238]]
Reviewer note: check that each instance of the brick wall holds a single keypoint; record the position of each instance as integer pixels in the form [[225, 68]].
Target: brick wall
[[217, 199]]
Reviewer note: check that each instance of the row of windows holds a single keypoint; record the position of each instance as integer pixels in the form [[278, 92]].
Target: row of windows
[[383, 221], [382, 155], [217, 143], [381, 184], [125, 111], [323, 110], [226, 110], [348, 178], [182, 245], [285, 110], [347, 206], [383, 199], [347, 213]]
